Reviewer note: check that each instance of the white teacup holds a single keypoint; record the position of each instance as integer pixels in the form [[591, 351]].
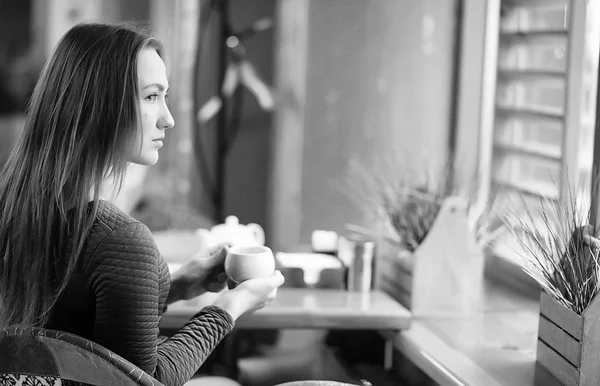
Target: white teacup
[[249, 262]]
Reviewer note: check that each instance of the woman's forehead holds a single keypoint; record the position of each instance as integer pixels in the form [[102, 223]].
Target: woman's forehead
[[151, 69]]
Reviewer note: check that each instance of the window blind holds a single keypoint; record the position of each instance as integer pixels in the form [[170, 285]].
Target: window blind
[[542, 91], [537, 111]]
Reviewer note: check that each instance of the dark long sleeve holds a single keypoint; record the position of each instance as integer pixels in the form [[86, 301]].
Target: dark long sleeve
[[125, 279]]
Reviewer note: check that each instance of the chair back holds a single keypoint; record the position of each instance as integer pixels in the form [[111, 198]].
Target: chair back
[[39, 356], [315, 383]]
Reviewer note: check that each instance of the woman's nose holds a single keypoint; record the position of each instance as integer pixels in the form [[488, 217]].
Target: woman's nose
[[166, 120]]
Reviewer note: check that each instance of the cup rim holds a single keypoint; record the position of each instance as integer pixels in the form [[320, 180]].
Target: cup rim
[[249, 249]]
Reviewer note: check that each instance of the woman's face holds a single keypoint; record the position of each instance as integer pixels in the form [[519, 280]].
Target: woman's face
[[155, 116]]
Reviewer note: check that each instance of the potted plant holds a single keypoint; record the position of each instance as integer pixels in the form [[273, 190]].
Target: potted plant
[[559, 249], [431, 249]]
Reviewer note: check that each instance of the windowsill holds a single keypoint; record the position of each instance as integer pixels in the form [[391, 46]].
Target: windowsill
[[503, 271], [495, 347]]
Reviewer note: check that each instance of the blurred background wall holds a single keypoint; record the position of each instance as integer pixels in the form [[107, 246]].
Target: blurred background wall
[[353, 80], [375, 83]]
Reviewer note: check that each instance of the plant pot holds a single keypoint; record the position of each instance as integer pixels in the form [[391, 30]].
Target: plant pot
[[569, 344], [444, 275], [395, 272]]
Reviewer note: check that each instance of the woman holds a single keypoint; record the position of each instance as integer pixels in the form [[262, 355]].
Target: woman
[[72, 262]]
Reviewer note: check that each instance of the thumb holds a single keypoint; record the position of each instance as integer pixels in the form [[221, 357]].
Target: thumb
[[217, 256], [276, 279]]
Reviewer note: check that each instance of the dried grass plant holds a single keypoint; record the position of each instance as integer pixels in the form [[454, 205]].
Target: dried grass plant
[[559, 249], [408, 206]]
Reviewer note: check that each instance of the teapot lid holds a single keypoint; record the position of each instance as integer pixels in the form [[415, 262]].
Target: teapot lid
[[232, 223]]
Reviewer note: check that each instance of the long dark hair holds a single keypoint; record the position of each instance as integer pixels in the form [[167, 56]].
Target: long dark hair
[[82, 117]]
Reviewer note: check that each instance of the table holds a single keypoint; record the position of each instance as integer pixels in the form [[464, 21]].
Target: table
[[312, 308], [293, 307]]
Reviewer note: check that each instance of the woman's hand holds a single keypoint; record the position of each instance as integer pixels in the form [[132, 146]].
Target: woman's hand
[[250, 295], [200, 274]]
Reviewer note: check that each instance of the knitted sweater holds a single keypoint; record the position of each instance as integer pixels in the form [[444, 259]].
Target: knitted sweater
[[118, 293]]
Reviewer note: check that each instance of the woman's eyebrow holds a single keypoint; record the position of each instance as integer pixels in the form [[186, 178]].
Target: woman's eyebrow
[[157, 85]]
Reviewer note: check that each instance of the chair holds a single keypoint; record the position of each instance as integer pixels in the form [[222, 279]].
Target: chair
[[41, 357], [317, 383]]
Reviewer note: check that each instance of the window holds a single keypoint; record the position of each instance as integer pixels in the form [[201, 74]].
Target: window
[[541, 124]]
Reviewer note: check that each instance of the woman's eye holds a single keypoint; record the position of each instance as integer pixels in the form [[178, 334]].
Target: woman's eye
[[152, 97]]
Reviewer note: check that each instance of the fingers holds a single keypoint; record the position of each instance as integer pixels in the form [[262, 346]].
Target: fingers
[[272, 294], [231, 284], [270, 283], [216, 287], [216, 254], [219, 254], [218, 248], [269, 298], [277, 279], [219, 284], [274, 281]]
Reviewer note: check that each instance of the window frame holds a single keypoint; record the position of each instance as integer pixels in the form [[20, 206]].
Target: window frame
[[478, 124]]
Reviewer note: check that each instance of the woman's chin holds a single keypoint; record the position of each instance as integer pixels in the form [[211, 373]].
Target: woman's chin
[[146, 161]]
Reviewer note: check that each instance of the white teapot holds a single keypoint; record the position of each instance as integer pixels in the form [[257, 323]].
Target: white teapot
[[234, 233]]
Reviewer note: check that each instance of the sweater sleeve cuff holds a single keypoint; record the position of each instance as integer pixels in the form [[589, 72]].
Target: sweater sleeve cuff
[[218, 313]]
